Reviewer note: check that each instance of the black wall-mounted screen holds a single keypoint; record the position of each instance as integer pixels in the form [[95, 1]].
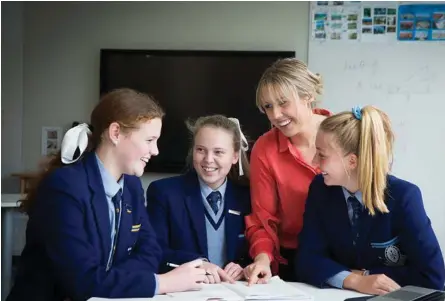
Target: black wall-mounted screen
[[189, 84]]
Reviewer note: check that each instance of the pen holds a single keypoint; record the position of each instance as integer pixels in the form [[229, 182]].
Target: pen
[[174, 265]]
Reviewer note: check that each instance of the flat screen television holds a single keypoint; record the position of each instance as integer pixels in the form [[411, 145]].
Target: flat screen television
[[189, 84]]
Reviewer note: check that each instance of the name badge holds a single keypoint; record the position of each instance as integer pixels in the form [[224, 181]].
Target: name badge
[[234, 212]]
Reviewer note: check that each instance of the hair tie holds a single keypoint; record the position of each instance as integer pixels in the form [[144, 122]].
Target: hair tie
[[74, 143], [244, 145], [357, 112]]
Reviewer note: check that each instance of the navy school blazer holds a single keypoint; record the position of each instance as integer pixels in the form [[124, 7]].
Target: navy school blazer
[[400, 244], [176, 212], [68, 240]]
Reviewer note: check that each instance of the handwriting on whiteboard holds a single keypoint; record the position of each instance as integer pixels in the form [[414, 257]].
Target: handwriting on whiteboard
[[391, 88], [370, 78]]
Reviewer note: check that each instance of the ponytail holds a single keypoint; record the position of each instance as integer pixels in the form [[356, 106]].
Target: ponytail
[[374, 158]]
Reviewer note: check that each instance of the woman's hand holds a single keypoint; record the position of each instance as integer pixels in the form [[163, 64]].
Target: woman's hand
[[259, 271], [372, 285], [188, 276], [234, 270], [215, 274]]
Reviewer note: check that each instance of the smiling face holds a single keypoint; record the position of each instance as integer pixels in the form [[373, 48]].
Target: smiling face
[[286, 110], [213, 155], [337, 168], [134, 149]]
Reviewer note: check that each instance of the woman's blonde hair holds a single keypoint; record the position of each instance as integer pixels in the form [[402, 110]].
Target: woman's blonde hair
[[289, 76], [366, 133]]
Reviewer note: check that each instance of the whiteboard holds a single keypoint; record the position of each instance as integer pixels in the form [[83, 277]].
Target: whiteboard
[[407, 81]]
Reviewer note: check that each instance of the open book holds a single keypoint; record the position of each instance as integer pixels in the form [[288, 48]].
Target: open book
[[275, 290]]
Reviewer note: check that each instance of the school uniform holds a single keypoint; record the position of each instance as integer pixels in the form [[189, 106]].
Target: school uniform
[[340, 235], [79, 244], [190, 225]]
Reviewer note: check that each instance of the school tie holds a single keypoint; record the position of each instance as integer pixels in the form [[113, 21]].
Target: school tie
[[117, 201], [213, 200], [356, 211]]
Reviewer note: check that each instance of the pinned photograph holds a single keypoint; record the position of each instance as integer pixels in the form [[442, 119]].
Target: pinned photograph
[[336, 36], [367, 12], [407, 25], [320, 17], [319, 25], [380, 11], [352, 36], [439, 23], [366, 30], [390, 29], [438, 35], [421, 35], [423, 24], [367, 21], [392, 11], [339, 2], [391, 20], [336, 25], [379, 29], [379, 20], [336, 17], [352, 25], [438, 15], [51, 140], [320, 35], [322, 3], [352, 17], [406, 35]]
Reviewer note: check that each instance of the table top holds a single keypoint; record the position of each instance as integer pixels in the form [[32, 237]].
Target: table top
[[11, 200], [325, 294]]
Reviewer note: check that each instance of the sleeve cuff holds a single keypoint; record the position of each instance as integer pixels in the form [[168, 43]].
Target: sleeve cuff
[[264, 246], [338, 279], [157, 284]]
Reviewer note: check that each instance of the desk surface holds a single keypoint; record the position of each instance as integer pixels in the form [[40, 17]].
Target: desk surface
[[11, 200], [326, 294]]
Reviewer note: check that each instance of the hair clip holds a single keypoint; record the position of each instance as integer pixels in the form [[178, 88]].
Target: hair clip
[[357, 112]]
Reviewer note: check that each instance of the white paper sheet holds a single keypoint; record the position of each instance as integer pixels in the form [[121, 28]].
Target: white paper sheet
[[276, 289], [208, 292]]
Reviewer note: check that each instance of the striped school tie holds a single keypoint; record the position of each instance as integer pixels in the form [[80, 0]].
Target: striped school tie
[[213, 199], [117, 201]]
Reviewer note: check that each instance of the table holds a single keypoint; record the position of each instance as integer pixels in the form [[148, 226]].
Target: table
[[325, 294], [9, 205]]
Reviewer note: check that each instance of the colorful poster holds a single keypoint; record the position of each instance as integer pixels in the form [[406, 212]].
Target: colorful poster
[[336, 20], [421, 22], [379, 21]]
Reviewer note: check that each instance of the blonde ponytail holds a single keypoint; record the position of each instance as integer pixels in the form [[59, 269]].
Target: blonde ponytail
[[375, 156]]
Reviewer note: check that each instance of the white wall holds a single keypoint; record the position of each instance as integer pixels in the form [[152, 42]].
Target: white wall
[[12, 93], [62, 42]]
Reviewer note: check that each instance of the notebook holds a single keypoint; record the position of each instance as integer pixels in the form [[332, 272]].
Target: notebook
[[275, 290]]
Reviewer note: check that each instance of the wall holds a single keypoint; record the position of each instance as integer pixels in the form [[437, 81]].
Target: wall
[[63, 39], [12, 93]]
